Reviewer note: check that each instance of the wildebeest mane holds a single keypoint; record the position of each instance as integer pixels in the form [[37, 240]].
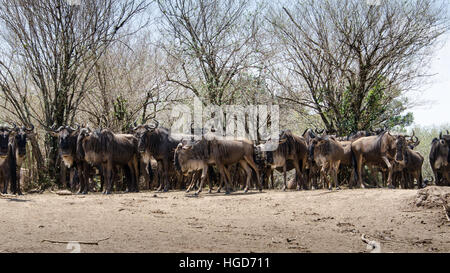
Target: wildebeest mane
[[379, 141]]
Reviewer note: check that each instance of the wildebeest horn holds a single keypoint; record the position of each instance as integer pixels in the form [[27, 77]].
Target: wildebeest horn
[[448, 133], [440, 135], [156, 123], [319, 132], [30, 129], [59, 129]]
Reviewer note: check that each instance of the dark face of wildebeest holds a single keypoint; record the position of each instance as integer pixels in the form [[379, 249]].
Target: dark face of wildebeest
[[67, 143], [21, 142], [148, 140], [400, 144], [5, 133]]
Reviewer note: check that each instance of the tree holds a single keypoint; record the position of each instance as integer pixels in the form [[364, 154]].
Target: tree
[[351, 62], [210, 42], [51, 48]]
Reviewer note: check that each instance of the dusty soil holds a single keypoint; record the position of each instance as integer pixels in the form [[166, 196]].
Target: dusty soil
[[272, 221]]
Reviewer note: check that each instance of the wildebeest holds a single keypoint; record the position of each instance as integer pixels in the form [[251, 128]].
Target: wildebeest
[[328, 154], [198, 155], [381, 150], [13, 143], [412, 168], [67, 143], [157, 142], [103, 147], [290, 149], [439, 159]]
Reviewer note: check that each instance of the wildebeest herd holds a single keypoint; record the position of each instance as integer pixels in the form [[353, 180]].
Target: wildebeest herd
[[176, 161]]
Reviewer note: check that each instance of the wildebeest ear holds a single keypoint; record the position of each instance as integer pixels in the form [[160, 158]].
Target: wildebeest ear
[[187, 147], [282, 141], [54, 134]]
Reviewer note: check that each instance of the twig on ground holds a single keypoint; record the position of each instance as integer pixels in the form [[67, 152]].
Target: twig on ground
[[80, 242]]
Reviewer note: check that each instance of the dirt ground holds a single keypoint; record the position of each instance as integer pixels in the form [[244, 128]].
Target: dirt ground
[[272, 221]]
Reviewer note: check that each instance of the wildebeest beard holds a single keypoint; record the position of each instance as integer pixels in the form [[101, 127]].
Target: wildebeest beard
[[400, 149]]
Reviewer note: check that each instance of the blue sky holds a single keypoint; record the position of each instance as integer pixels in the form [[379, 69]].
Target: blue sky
[[436, 110]]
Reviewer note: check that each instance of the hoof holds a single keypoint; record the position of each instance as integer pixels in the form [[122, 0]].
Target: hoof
[[391, 187], [187, 191], [338, 188], [227, 193], [245, 190]]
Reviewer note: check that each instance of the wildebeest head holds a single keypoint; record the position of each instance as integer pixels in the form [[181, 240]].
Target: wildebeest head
[[82, 136], [400, 147], [66, 135], [67, 142], [5, 133], [145, 133], [188, 157], [21, 140]]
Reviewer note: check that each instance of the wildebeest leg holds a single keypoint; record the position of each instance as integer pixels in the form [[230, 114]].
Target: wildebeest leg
[[134, 169], [166, 175], [253, 165], [80, 178], [420, 180], [248, 172], [227, 178], [271, 178], [284, 176], [359, 167], [109, 177], [191, 184], [5, 183], [335, 174], [202, 180], [389, 166], [298, 173]]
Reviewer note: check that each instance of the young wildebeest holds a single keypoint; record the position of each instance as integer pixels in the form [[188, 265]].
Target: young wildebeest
[[290, 148], [328, 154], [13, 143], [198, 155], [439, 159], [156, 142], [109, 150], [67, 142], [381, 150]]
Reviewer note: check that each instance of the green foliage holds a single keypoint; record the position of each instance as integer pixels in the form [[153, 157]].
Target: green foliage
[[378, 110]]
